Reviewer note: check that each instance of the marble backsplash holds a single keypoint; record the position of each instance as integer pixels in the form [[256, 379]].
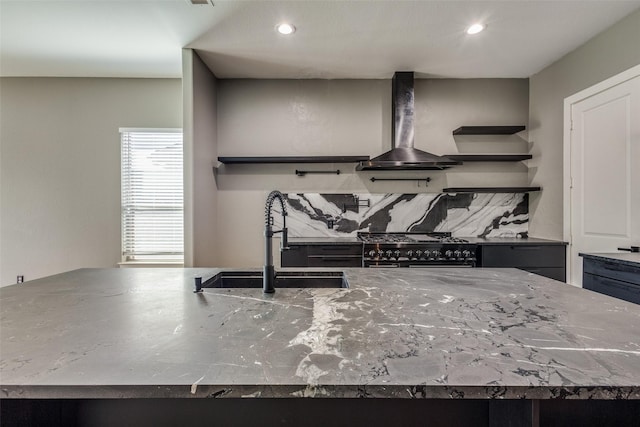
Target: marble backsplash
[[462, 214]]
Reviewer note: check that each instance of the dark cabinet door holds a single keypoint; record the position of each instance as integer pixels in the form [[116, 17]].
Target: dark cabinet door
[[335, 261], [334, 250], [612, 278], [612, 270], [295, 256], [322, 256], [545, 260], [555, 273], [612, 287], [523, 256]]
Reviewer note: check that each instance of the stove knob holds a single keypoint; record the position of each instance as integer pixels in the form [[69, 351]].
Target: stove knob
[[457, 253], [466, 254], [409, 254], [427, 254], [388, 254], [448, 254], [372, 253], [380, 253], [418, 253], [436, 254], [396, 253]]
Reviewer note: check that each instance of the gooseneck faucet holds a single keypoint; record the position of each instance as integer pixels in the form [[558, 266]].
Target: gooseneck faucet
[[269, 273]]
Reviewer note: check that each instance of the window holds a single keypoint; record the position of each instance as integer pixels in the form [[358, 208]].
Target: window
[[152, 195]]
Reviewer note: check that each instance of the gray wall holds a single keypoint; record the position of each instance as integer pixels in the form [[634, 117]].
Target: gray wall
[[60, 167], [349, 117], [59, 153], [606, 55], [201, 207]]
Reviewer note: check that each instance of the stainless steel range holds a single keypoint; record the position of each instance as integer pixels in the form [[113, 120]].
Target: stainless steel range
[[416, 250]]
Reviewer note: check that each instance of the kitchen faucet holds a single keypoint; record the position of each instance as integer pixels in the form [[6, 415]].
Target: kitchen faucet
[[269, 273]]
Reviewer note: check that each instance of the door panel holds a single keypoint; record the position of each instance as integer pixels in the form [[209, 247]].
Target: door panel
[[605, 168], [605, 158]]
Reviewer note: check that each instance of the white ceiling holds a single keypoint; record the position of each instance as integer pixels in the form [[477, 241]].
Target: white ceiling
[[335, 39]]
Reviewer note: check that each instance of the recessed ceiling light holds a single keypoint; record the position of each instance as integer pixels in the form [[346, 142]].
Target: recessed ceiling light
[[285, 28], [475, 28]]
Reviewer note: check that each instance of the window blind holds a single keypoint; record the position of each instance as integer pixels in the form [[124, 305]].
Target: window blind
[[152, 195]]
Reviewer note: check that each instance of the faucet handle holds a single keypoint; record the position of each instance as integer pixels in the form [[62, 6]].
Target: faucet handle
[[284, 242]]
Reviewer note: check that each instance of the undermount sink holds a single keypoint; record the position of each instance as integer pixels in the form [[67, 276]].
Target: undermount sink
[[284, 279]]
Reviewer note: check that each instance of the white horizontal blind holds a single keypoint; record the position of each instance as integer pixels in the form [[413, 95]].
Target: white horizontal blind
[[152, 195]]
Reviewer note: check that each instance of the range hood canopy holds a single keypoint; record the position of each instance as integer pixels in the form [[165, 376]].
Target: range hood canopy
[[403, 156]]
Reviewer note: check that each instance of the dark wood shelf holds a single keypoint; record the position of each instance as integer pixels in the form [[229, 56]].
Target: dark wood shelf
[[490, 189], [488, 130], [489, 157], [293, 159]]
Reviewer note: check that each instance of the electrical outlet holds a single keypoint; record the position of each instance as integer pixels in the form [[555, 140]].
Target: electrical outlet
[[20, 279], [330, 223]]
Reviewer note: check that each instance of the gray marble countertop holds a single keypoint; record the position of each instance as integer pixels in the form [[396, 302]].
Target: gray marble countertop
[[324, 240], [513, 241], [400, 333], [627, 258], [475, 240]]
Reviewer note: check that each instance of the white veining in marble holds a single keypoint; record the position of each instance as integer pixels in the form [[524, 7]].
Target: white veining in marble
[[322, 336], [464, 215]]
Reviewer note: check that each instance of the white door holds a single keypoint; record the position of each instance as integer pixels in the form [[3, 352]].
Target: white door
[[604, 182]]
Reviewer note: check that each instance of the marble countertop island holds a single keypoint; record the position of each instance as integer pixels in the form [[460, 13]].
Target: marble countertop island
[[452, 333]]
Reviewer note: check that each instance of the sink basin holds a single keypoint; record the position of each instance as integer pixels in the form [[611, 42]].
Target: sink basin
[[284, 279]]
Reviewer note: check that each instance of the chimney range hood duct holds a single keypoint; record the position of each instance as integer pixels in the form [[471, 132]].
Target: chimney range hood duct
[[402, 155]]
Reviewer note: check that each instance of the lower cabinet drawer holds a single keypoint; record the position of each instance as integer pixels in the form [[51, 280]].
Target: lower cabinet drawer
[[523, 256], [556, 273], [334, 250], [612, 270], [295, 256], [612, 287], [322, 256], [334, 261]]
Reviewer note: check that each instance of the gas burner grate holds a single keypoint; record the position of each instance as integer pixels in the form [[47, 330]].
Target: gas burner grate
[[453, 240], [436, 237], [385, 238]]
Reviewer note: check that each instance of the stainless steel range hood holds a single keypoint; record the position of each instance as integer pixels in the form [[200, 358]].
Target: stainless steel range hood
[[403, 156]]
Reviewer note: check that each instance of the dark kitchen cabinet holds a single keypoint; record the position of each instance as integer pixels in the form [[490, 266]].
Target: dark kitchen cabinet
[[334, 255], [612, 278], [546, 260]]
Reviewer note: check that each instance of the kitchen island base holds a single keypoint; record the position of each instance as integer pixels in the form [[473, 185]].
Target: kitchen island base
[[317, 412]]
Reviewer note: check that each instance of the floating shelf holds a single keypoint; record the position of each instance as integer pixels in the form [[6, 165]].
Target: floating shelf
[[489, 157], [292, 159], [426, 179], [303, 172], [490, 189], [488, 130]]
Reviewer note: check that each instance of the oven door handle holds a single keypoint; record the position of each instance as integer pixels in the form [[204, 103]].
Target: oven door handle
[[384, 266]]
